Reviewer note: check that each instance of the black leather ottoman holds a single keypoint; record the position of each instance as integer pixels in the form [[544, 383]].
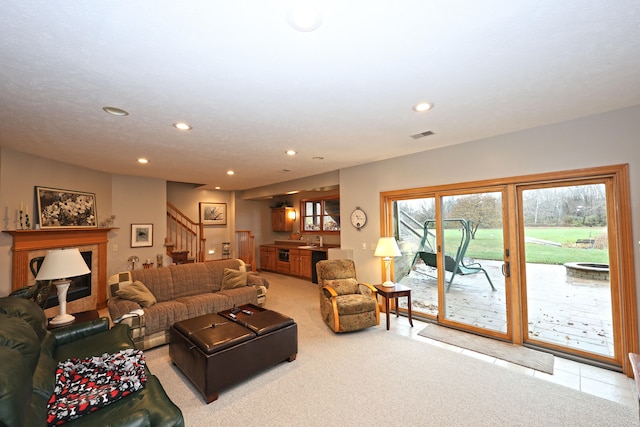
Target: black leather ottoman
[[218, 350]]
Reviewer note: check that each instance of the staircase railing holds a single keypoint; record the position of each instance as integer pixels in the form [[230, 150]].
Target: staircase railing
[[245, 248], [184, 236]]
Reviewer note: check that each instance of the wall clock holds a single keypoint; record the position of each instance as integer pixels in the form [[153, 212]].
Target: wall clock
[[358, 218]]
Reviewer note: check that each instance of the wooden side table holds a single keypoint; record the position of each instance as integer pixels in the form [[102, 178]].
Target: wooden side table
[[394, 292], [83, 316]]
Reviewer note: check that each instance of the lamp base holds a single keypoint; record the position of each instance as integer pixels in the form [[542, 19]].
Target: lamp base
[[389, 284], [62, 319]]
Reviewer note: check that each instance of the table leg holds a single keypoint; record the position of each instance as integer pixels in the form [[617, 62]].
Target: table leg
[[397, 314], [409, 309], [386, 302]]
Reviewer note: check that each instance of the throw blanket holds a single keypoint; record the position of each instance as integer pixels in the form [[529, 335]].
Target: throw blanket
[[86, 385]]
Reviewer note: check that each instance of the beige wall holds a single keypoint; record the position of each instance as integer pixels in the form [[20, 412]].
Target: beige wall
[[186, 197], [136, 200], [20, 173], [604, 139]]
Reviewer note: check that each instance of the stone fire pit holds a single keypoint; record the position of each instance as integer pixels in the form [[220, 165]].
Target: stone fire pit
[[588, 270]]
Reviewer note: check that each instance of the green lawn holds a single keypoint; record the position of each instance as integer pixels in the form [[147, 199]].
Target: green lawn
[[488, 244]]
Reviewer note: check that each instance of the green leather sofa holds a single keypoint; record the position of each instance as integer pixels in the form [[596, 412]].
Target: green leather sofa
[[29, 355]]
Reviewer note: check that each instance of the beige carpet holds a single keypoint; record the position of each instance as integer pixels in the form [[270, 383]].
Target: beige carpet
[[378, 377], [519, 355]]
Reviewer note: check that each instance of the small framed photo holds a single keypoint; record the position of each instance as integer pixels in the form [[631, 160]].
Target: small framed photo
[[141, 235], [65, 208], [213, 213]]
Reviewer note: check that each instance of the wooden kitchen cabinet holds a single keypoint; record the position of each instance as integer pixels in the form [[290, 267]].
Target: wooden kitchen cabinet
[[268, 258], [294, 262], [280, 219], [305, 264], [300, 263]]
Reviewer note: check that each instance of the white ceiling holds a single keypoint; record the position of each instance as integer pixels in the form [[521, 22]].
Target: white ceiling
[[252, 86]]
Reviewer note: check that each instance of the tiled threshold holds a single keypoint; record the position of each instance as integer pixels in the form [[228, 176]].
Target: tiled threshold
[[589, 379]]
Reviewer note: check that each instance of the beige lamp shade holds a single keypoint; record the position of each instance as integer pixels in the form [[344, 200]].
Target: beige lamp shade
[[387, 248], [61, 264]]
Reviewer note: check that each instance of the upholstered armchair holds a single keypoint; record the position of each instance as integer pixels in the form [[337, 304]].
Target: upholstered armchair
[[345, 304]]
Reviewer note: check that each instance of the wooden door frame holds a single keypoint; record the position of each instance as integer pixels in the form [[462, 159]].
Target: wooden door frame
[[620, 209]]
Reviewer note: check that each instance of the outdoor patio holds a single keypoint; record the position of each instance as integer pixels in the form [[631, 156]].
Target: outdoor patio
[[562, 309]]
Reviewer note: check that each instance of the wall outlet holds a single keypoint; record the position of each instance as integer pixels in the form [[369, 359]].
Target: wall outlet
[[115, 248], [364, 246]]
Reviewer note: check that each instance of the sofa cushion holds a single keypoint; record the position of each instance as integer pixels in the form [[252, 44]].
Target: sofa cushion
[[26, 310], [216, 270], [15, 333], [233, 279], [160, 316], [240, 296], [109, 341], [115, 282], [212, 302], [15, 383], [190, 279], [137, 292], [158, 280]]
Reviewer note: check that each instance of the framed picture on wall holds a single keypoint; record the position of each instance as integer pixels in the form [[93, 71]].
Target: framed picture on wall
[[65, 208], [141, 235], [213, 213]]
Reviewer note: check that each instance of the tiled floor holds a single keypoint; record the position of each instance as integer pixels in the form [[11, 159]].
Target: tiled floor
[[599, 382], [562, 310]]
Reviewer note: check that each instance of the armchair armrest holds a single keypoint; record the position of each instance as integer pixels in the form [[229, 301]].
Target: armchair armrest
[[366, 288], [78, 331], [329, 291]]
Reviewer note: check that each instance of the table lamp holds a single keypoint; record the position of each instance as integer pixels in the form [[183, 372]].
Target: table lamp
[[387, 248], [59, 265]]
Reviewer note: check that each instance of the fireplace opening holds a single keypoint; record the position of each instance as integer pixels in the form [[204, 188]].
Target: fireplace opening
[[80, 285]]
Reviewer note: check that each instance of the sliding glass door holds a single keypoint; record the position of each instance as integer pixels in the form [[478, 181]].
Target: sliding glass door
[[455, 258], [568, 295], [473, 259], [543, 260]]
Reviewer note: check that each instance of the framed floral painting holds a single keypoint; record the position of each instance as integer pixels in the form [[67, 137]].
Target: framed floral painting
[[65, 208]]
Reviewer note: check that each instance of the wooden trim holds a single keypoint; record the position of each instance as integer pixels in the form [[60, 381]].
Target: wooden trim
[[625, 314], [25, 241], [627, 269]]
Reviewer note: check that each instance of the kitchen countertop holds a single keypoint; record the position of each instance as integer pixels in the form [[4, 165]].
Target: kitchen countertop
[[300, 246]]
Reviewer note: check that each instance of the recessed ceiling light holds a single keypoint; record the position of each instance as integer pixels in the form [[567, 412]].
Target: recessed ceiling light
[[291, 152], [115, 111], [304, 17], [217, 187], [143, 160], [182, 126], [423, 106], [230, 172]]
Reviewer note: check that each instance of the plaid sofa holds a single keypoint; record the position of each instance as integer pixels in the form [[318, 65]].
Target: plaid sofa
[[182, 292]]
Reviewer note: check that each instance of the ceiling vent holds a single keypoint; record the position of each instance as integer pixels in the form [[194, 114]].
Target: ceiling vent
[[422, 134]]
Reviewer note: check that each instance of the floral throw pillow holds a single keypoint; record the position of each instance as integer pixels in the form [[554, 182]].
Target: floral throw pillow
[[86, 385]]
